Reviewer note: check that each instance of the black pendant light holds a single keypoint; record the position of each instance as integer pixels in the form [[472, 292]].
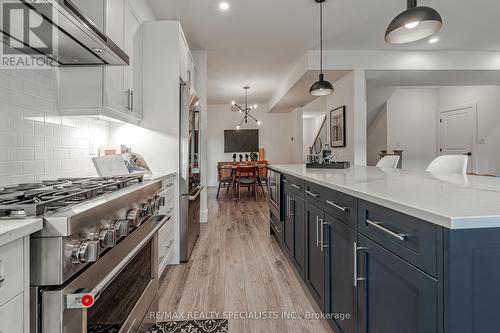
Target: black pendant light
[[415, 23], [321, 87]]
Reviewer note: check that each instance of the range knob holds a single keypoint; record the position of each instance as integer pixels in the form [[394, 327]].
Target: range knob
[[157, 202], [85, 252], [145, 207], [121, 228], [107, 237], [151, 206], [134, 217]]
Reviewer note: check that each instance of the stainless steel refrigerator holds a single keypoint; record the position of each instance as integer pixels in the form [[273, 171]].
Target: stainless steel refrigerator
[[189, 169]]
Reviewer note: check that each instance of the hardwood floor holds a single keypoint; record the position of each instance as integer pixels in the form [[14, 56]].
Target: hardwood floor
[[237, 267]]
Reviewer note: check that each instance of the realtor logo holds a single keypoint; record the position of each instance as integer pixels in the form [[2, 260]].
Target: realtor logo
[[28, 37]]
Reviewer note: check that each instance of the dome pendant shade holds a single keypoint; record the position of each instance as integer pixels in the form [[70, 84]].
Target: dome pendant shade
[[321, 87], [413, 24]]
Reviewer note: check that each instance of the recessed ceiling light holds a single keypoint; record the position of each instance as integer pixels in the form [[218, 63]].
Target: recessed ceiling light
[[224, 6], [433, 40]]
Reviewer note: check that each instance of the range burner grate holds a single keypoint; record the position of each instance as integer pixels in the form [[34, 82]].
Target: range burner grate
[[35, 199]]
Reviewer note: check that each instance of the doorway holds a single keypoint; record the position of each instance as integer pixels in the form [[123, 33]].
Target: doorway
[[457, 133]]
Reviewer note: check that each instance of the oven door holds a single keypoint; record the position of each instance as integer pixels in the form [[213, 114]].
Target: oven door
[[112, 295]]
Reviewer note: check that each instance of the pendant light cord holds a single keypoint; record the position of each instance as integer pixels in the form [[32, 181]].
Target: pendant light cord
[[321, 38]]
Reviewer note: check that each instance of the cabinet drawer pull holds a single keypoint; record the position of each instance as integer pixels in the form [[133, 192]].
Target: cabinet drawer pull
[[296, 186], [2, 280], [378, 226], [334, 205], [314, 195]]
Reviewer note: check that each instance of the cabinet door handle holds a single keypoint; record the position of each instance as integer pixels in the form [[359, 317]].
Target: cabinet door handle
[[287, 206], [314, 195], [296, 186], [317, 231], [391, 233], [131, 100], [322, 226], [127, 92], [2, 280], [356, 279], [334, 205]]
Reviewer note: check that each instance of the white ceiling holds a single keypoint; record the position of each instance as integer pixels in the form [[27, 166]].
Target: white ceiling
[[257, 42]]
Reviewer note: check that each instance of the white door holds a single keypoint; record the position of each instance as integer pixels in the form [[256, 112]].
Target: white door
[[457, 133]]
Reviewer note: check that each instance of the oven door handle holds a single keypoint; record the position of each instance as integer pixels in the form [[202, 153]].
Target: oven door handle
[[87, 299]]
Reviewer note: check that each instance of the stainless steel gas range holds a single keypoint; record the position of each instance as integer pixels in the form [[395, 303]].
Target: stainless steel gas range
[[94, 265]]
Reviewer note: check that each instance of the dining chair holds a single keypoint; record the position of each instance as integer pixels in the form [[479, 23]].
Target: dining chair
[[246, 176], [449, 164], [224, 180], [262, 179], [388, 162]]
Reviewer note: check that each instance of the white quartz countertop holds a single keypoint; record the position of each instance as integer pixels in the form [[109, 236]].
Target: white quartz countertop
[[159, 175], [11, 230], [449, 200]]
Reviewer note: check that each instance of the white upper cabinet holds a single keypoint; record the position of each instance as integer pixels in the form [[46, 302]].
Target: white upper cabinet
[[133, 77], [186, 65], [111, 91]]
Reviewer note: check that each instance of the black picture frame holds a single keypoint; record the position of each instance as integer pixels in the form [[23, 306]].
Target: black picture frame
[[338, 127]]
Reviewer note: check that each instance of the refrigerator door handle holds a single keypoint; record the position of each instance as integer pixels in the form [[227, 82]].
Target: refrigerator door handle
[[197, 194]]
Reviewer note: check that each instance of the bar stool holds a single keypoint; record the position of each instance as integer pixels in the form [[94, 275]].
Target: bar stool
[[449, 164], [388, 162]]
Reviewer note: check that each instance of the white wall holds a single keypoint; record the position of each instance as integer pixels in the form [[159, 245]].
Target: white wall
[[343, 95], [377, 137], [310, 128], [412, 125], [275, 135], [488, 110]]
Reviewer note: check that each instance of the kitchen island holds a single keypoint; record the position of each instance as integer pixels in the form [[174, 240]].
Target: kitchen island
[[399, 251]]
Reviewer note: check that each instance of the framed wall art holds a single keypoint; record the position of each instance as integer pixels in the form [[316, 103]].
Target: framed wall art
[[337, 127]]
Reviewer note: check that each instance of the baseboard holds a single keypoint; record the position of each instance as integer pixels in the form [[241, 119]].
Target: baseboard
[[204, 216]]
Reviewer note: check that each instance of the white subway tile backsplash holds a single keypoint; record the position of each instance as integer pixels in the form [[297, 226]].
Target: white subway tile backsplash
[[10, 168], [11, 139], [4, 154], [45, 130], [22, 154], [52, 166], [33, 140], [21, 125], [4, 181], [33, 168], [78, 153], [61, 131], [52, 142], [44, 153], [22, 179], [61, 153], [68, 164]]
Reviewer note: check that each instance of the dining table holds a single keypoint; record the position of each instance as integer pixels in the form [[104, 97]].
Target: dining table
[[233, 167]]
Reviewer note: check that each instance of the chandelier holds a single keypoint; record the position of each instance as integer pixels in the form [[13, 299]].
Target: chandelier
[[246, 110]]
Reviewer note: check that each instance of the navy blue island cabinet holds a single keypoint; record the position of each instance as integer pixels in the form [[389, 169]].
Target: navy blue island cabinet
[[372, 269]]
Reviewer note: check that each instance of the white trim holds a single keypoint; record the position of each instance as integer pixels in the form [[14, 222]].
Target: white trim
[[473, 106], [204, 216]]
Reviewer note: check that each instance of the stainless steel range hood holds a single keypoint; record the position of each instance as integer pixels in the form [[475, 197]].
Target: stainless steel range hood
[[76, 39]]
